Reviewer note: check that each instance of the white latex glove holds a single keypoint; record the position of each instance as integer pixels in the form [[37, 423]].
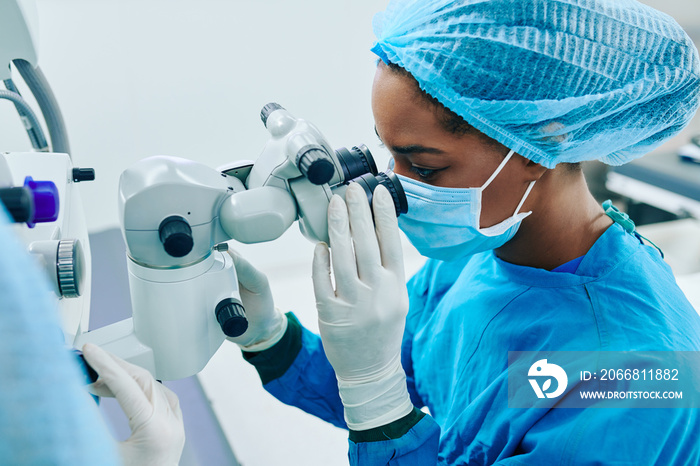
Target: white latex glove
[[266, 324], [157, 432], [362, 320]]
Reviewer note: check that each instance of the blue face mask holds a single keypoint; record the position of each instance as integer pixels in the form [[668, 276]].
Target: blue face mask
[[443, 223]]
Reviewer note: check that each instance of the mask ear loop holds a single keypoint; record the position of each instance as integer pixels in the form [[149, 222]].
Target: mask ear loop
[[498, 170], [522, 201]]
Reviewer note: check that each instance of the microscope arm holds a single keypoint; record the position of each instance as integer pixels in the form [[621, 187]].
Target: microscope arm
[[258, 215]]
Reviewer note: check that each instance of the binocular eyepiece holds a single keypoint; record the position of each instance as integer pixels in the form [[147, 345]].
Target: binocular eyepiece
[[359, 167], [307, 149]]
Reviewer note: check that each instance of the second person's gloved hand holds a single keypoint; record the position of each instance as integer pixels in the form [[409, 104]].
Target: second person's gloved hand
[[266, 324], [157, 431], [362, 320]]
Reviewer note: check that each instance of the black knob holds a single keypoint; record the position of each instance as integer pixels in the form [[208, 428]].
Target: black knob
[[268, 109], [176, 236], [83, 174], [314, 164], [19, 202], [91, 375], [231, 317]]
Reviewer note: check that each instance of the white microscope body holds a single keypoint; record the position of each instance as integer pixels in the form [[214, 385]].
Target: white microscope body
[[175, 215], [58, 241], [39, 189]]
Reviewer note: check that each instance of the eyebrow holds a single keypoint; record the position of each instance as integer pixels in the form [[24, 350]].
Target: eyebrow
[[411, 148]]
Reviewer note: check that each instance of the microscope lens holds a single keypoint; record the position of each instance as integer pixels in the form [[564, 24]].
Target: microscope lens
[[390, 181], [356, 162]]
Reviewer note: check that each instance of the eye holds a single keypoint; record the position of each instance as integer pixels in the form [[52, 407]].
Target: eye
[[423, 173]]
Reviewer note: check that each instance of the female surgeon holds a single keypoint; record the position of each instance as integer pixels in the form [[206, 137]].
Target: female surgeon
[[487, 108]]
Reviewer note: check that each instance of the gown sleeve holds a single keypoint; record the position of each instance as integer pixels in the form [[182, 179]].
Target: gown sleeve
[[46, 415], [297, 372]]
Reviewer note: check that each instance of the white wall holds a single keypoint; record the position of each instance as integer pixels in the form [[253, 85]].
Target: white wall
[[136, 78]]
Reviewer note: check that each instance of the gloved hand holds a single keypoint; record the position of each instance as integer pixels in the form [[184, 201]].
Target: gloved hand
[[157, 432], [362, 320], [266, 324]]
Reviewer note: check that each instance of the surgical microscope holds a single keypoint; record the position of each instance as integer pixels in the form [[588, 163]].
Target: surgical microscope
[[39, 188], [176, 216]]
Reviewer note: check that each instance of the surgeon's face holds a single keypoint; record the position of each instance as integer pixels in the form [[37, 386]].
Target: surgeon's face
[[411, 129]]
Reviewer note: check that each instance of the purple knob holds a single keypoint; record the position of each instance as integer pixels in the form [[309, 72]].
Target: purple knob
[[45, 194]]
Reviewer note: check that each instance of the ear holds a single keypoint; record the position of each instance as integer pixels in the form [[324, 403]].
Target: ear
[[533, 171]]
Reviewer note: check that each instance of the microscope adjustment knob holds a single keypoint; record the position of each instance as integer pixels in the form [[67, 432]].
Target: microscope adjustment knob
[[268, 109], [83, 174], [314, 164], [176, 236], [69, 267], [46, 201], [19, 203], [231, 317]]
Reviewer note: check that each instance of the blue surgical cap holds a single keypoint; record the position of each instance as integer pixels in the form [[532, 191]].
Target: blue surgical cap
[[554, 80]]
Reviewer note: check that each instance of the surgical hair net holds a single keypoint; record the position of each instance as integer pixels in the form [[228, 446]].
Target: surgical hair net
[[554, 80]]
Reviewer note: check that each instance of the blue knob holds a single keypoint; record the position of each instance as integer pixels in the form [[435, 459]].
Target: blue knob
[[46, 204]]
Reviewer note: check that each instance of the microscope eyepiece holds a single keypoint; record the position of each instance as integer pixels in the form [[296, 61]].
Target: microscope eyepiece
[[356, 161], [391, 182]]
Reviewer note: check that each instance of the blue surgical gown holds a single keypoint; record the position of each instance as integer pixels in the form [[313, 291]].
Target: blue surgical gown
[[463, 319], [46, 416]]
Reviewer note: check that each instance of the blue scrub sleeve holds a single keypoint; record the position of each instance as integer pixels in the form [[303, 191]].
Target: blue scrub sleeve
[[419, 446], [297, 372], [46, 416]]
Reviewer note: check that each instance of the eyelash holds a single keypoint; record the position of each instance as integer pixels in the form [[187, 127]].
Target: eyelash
[[423, 173]]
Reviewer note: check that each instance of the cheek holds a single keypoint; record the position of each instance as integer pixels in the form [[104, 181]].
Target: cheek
[[500, 199]]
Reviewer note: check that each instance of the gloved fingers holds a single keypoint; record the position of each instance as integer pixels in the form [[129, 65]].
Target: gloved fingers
[[141, 376], [321, 276], [249, 277], [342, 255], [362, 230], [130, 393], [387, 228], [173, 401], [98, 388]]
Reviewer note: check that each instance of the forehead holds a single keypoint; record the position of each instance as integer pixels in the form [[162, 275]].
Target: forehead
[[398, 104], [397, 85]]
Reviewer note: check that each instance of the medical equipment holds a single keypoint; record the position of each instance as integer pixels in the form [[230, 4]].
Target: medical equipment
[[38, 188], [662, 180], [175, 216]]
